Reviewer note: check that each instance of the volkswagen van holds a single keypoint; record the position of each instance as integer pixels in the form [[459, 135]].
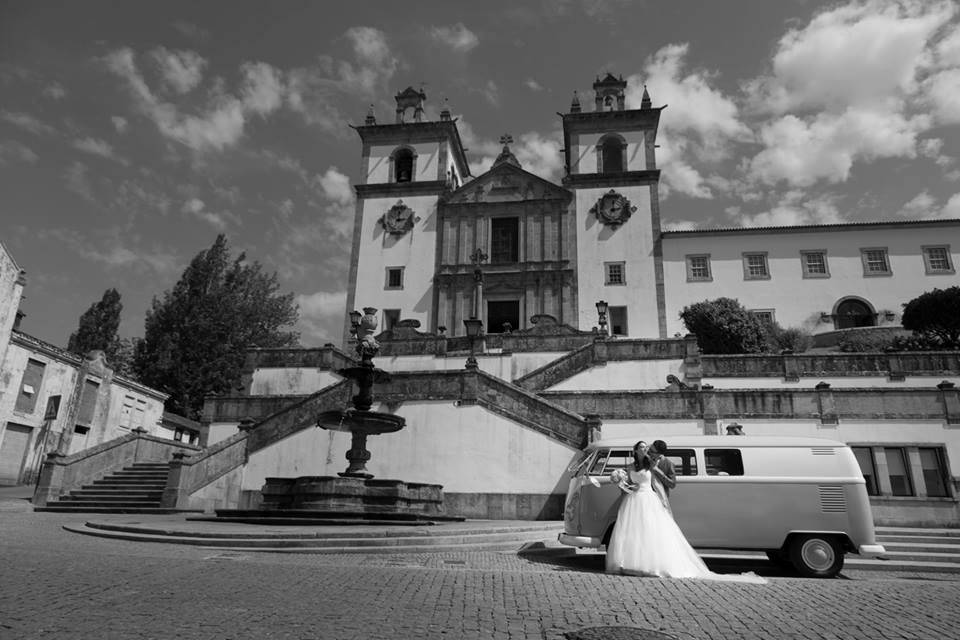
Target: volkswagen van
[[801, 500]]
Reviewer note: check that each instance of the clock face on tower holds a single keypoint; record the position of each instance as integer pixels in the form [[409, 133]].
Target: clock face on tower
[[399, 219], [613, 209]]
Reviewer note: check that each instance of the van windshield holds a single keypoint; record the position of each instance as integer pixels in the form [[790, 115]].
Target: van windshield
[[576, 466]]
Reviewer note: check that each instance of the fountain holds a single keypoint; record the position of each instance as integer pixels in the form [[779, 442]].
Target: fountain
[[355, 495]]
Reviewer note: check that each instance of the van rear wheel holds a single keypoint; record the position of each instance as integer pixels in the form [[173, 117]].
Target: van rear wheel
[[816, 556]]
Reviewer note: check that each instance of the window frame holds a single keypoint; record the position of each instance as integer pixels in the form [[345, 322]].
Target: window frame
[[732, 453], [928, 268], [761, 313], [387, 285], [624, 330], [608, 280], [495, 257], [763, 255], [388, 319], [804, 265], [394, 156], [873, 483], [911, 491], [689, 263], [942, 472], [865, 260]]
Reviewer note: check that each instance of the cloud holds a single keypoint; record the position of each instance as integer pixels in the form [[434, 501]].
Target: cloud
[[336, 186], [532, 84], [952, 208], [182, 71], [919, 206], [77, 181], [458, 37], [191, 31], [537, 153], [321, 316], [943, 96], [222, 123], [12, 152], [795, 207], [197, 208], [97, 147], [119, 123], [116, 251], [338, 202], [27, 122], [55, 91]]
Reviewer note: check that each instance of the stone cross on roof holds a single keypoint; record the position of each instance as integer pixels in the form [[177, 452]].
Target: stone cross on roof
[[506, 139]]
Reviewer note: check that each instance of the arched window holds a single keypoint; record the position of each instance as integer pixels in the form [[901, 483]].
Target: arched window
[[403, 165], [854, 313], [613, 151]]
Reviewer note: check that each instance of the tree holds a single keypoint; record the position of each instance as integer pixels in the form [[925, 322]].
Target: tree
[[723, 325], [196, 334], [98, 326], [935, 317]]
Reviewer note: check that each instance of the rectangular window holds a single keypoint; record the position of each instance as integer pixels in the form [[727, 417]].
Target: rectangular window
[[723, 462], [755, 266], [814, 264], [937, 260], [864, 457], [88, 402], [875, 262], [126, 412], [766, 316], [897, 470], [684, 461], [391, 317], [30, 387], [140, 413], [615, 273], [698, 269], [394, 278], [934, 471], [618, 320], [504, 240]]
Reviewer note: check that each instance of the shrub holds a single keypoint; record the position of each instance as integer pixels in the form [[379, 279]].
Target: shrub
[[935, 315], [857, 341], [793, 338], [723, 325]]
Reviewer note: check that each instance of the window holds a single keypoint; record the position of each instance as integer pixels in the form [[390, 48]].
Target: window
[[618, 320], [684, 461], [755, 266], [875, 262], [391, 318], [614, 273], [937, 260], [504, 244], [88, 402], [503, 316], [394, 278], [619, 459], [698, 268], [126, 412], [864, 457], [140, 413], [814, 264], [934, 469], [897, 470], [30, 386], [612, 152], [766, 316], [723, 462], [403, 165]]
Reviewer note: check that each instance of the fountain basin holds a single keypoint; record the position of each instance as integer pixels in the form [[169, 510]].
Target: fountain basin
[[350, 495], [368, 423]]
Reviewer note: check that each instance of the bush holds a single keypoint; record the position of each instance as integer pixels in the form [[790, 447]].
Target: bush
[[797, 340], [857, 341], [935, 316], [724, 326]]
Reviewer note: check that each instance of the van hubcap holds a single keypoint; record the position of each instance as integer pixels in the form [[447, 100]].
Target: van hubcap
[[817, 554]]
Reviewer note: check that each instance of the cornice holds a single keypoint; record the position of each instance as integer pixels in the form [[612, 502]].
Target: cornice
[[589, 120], [813, 228], [401, 189], [624, 179]]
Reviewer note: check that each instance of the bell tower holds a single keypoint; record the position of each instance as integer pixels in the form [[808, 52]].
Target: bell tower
[[611, 168], [407, 165]]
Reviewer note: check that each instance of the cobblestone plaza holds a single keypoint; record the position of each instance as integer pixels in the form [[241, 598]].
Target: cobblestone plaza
[[58, 585]]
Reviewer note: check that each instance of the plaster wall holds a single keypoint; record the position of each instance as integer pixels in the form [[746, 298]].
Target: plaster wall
[[11, 290], [630, 243], [426, 162], [466, 449], [845, 382], [130, 408], [795, 300], [286, 381], [584, 157], [218, 431], [414, 251], [614, 376]]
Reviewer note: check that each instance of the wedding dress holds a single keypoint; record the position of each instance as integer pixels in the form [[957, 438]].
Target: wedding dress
[[646, 540]]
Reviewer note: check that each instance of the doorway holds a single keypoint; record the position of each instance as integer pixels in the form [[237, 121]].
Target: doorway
[[500, 313]]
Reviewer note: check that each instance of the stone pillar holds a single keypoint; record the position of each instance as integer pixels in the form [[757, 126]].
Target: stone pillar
[[594, 425], [469, 385], [173, 494], [883, 471], [827, 405], [791, 366], [915, 467], [950, 398], [692, 365], [709, 412], [50, 483]]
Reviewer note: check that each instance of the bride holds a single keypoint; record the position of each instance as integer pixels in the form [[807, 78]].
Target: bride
[[646, 541]]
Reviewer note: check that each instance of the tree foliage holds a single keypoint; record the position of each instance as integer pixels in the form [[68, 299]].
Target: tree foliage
[[98, 325], [196, 334], [723, 325], [935, 316]]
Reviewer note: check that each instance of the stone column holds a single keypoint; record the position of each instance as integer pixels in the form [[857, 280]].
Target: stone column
[[173, 494], [50, 484], [827, 405]]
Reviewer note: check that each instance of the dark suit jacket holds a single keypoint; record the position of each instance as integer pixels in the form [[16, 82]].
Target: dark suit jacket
[[667, 467]]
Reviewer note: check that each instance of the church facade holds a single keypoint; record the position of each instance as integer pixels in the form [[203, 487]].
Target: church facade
[[434, 244]]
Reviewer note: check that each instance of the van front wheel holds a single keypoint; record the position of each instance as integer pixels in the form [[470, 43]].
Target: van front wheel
[[816, 556]]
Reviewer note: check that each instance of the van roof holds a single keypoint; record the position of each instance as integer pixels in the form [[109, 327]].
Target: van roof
[[675, 442]]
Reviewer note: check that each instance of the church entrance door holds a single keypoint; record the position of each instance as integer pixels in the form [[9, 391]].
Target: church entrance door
[[500, 312]]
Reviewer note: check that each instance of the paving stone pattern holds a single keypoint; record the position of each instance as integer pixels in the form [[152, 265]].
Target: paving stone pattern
[[57, 585]]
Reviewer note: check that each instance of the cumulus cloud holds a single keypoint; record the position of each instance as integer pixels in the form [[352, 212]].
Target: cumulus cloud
[[116, 251], [12, 152], [77, 180], [321, 316], [97, 147], [119, 123], [197, 208], [952, 208], [532, 84], [919, 206], [795, 207], [182, 71], [55, 91], [27, 122], [458, 37], [537, 153], [338, 202], [222, 123]]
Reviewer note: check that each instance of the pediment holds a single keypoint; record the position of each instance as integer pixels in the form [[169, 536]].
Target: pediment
[[507, 183]]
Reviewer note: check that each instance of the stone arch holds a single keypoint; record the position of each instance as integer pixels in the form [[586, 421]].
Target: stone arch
[[403, 164], [612, 154], [853, 311]]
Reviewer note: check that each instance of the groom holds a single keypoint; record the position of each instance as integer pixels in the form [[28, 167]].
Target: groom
[[659, 462]]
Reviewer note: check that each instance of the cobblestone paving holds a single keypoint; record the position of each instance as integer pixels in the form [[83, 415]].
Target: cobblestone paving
[[57, 585]]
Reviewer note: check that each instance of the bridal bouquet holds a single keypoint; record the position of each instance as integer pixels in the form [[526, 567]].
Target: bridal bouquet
[[621, 478]]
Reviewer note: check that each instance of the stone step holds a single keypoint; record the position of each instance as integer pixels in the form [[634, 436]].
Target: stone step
[[144, 496], [934, 547], [111, 504], [916, 531], [63, 508], [137, 475], [921, 540], [126, 483]]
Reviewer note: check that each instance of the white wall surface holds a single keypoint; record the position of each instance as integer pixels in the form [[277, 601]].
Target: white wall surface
[[583, 158], [285, 381], [426, 162], [839, 382], [616, 376]]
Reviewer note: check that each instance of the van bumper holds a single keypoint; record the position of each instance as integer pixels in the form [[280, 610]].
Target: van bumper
[[871, 550], [578, 541]]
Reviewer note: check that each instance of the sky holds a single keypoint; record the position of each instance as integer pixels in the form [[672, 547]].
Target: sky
[[132, 133]]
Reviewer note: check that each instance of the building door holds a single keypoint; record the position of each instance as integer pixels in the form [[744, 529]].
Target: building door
[[853, 313], [500, 312], [13, 451]]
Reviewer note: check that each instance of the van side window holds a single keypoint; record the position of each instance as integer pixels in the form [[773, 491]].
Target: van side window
[[684, 461], [724, 462], [597, 467], [619, 460]]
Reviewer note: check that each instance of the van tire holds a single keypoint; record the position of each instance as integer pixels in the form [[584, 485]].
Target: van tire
[[816, 556]]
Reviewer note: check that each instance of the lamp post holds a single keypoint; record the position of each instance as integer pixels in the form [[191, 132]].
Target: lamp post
[[602, 308], [474, 327]]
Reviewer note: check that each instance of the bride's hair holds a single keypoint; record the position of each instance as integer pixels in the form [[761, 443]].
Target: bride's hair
[[640, 463]]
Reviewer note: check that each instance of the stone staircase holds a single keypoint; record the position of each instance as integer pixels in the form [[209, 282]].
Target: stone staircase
[[135, 489]]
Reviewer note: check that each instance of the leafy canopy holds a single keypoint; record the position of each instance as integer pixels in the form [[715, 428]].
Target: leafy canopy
[[196, 334], [98, 325], [723, 325], [935, 316]]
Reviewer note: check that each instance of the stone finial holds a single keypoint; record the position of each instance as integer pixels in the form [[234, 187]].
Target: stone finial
[[370, 119], [575, 103], [645, 102], [445, 112]]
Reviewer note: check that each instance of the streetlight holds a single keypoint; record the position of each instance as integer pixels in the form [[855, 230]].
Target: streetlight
[[474, 327], [602, 308]]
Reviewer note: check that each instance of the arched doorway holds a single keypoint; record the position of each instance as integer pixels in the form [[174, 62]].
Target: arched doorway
[[854, 313]]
